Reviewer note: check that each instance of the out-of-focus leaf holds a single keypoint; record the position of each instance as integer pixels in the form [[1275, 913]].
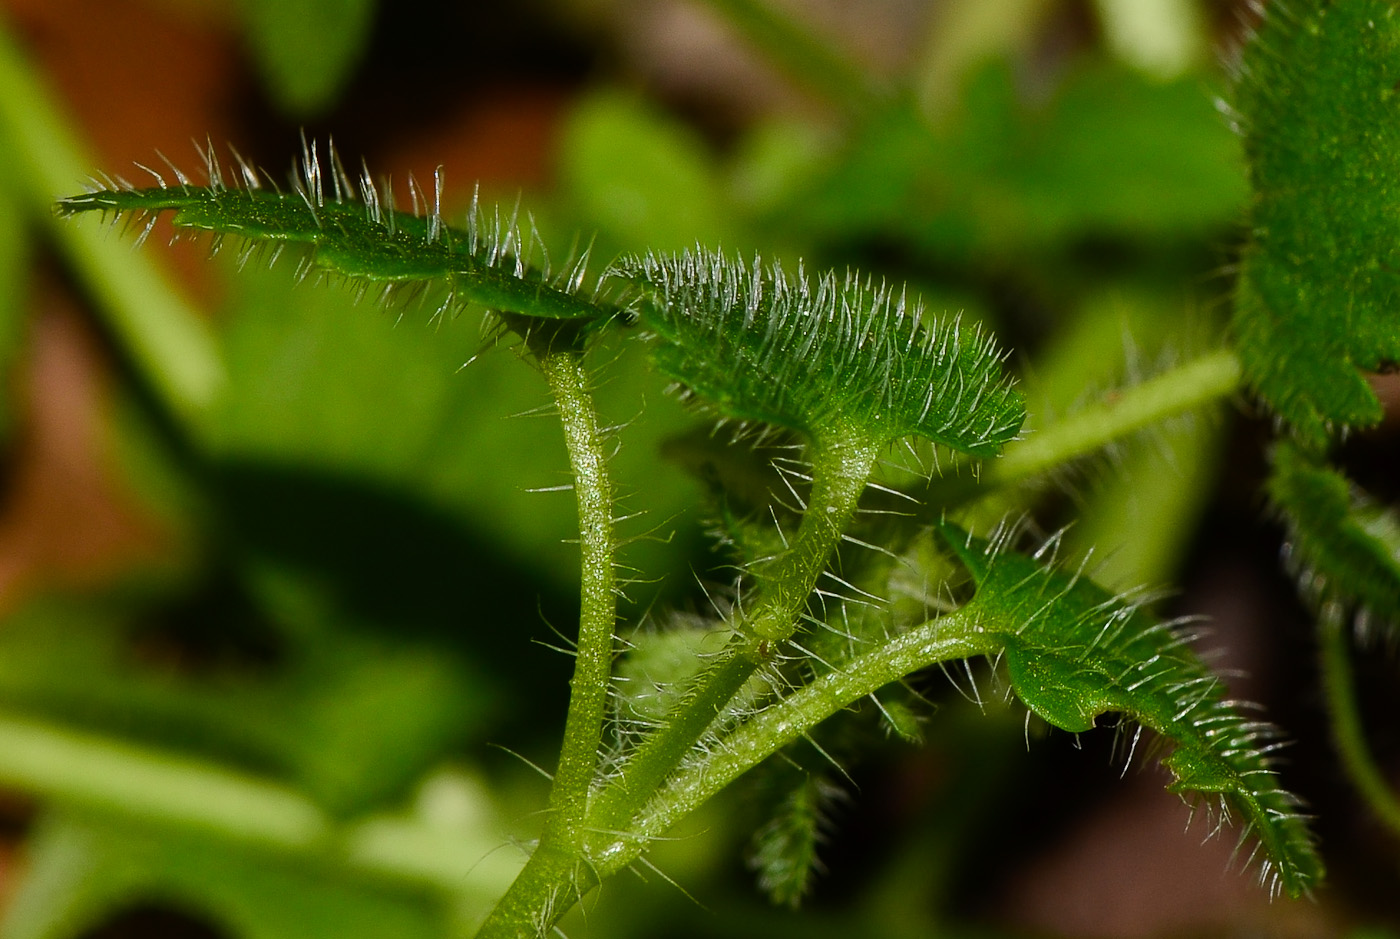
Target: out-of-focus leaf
[[1143, 501], [351, 720], [1110, 153], [14, 271], [783, 851], [659, 667], [307, 49], [641, 180], [1344, 548], [1318, 298], [345, 391], [329, 397], [86, 869]]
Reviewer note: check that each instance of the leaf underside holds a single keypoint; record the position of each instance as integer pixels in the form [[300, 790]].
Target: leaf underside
[[833, 358], [1318, 299], [1343, 548], [1074, 652], [353, 230]]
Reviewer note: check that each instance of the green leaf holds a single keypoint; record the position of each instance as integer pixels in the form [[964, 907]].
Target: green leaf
[[87, 868], [834, 358], [308, 49], [641, 179], [783, 850], [1109, 153], [1075, 652], [1344, 548], [353, 230], [1318, 297]]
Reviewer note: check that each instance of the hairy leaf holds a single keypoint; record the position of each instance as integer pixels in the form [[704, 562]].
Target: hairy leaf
[[1075, 652], [834, 358], [783, 851], [1319, 290], [1344, 548], [355, 231]]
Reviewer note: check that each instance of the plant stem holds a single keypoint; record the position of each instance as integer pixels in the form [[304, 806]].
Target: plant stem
[[557, 874], [545, 891], [170, 345], [956, 635], [549, 885], [1339, 685], [1184, 388], [161, 788], [583, 728], [839, 475]]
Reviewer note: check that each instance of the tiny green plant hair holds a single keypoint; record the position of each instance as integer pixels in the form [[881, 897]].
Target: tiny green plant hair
[[831, 357], [353, 230]]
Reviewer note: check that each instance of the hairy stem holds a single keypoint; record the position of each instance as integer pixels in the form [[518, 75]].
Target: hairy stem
[[551, 882], [556, 874], [583, 728], [839, 474], [547, 888], [956, 635], [1339, 685]]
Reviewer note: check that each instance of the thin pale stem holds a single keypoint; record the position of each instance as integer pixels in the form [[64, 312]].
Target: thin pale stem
[[1339, 685], [951, 637], [583, 728], [1185, 388], [556, 875], [162, 788], [839, 475]]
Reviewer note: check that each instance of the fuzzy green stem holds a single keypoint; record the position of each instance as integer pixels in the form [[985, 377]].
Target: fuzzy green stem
[[1185, 388], [546, 890], [839, 475], [555, 875], [551, 882], [956, 635], [170, 345], [1339, 686], [583, 728]]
